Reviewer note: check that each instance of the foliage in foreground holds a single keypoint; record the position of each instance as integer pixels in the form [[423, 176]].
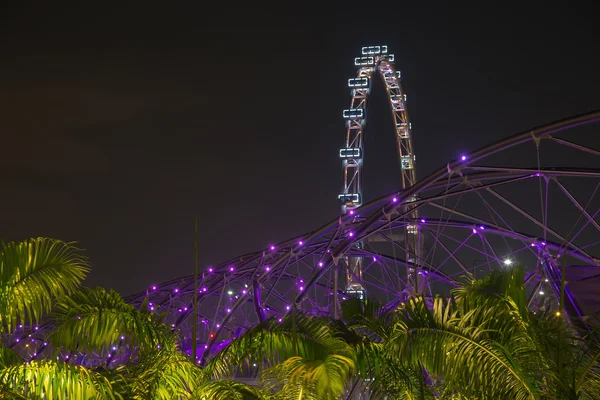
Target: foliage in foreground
[[482, 342]]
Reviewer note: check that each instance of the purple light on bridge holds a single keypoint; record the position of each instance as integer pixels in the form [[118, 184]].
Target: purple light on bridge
[[287, 308], [272, 247], [231, 269], [463, 158], [474, 230], [244, 291], [320, 263], [423, 220], [351, 212], [204, 289], [481, 227], [267, 269], [210, 270], [301, 288], [153, 287], [351, 234], [300, 243], [176, 290], [395, 199]]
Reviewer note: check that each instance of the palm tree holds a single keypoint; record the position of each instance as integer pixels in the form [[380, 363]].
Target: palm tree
[[304, 357], [42, 278], [33, 275], [482, 342]]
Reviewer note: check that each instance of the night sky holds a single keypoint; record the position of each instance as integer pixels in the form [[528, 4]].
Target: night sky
[[119, 124]]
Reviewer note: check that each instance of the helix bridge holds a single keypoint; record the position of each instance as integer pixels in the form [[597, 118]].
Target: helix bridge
[[531, 199]]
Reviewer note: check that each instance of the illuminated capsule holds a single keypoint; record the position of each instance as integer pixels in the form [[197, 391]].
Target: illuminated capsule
[[359, 61], [353, 152], [353, 113], [374, 50], [349, 198], [358, 82], [407, 161]]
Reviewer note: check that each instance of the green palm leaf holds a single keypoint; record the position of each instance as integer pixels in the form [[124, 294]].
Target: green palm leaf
[[55, 381], [34, 273], [163, 374], [96, 319], [230, 390], [8, 357], [308, 353], [465, 354]]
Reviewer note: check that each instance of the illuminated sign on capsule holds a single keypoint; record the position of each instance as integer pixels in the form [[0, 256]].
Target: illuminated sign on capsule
[[374, 50]]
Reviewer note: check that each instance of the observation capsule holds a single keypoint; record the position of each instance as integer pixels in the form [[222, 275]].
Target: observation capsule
[[352, 152], [374, 50], [353, 113], [358, 82]]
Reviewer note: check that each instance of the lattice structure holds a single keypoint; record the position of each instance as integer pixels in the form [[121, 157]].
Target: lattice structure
[[477, 213]]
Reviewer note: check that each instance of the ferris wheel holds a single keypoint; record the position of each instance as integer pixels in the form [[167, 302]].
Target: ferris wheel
[[532, 198], [377, 61]]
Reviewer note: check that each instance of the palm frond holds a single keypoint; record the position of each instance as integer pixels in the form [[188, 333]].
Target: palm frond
[[272, 342], [464, 354], [230, 390], [34, 273], [96, 319], [8, 357], [50, 380], [163, 374]]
